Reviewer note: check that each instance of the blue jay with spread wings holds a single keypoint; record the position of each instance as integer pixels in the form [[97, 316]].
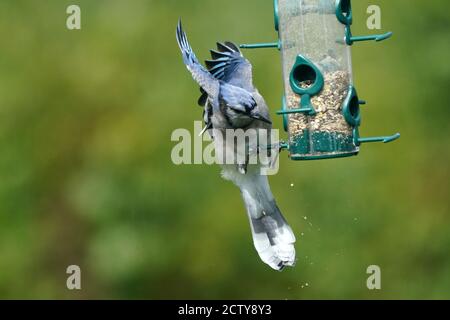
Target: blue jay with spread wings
[[231, 101]]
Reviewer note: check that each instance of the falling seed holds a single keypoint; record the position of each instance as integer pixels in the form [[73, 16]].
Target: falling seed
[[306, 284], [305, 217], [292, 185]]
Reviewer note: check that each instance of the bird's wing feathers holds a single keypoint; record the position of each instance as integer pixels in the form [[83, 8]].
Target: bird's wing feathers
[[237, 98], [215, 80], [224, 61], [206, 81]]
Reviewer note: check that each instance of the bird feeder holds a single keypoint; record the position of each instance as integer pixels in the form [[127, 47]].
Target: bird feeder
[[321, 108]]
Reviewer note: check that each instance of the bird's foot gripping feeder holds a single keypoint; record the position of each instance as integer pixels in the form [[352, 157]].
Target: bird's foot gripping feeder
[[321, 108]]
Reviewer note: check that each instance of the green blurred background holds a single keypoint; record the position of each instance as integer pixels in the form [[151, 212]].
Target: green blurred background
[[86, 176]]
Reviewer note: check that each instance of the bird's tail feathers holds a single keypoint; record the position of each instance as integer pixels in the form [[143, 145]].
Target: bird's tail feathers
[[273, 238]]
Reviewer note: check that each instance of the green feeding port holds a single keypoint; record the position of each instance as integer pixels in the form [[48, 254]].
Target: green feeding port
[[306, 80], [302, 73], [344, 15], [344, 11], [352, 114], [305, 77], [321, 110], [351, 109]]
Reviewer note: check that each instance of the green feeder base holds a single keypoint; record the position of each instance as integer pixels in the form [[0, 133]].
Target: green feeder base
[[319, 145]]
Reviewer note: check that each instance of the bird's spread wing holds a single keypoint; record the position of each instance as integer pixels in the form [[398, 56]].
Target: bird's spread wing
[[237, 98], [215, 81], [207, 82], [224, 62]]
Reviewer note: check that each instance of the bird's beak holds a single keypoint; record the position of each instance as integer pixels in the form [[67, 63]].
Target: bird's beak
[[261, 118]]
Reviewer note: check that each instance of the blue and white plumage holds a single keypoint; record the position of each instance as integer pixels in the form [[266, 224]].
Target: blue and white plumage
[[231, 101]]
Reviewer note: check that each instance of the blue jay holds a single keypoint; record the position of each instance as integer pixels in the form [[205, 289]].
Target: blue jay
[[231, 101]]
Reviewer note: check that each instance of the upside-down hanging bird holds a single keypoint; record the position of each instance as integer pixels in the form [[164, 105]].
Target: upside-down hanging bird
[[231, 102]]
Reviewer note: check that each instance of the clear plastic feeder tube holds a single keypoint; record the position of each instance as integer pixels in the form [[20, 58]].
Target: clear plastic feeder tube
[[317, 73]]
